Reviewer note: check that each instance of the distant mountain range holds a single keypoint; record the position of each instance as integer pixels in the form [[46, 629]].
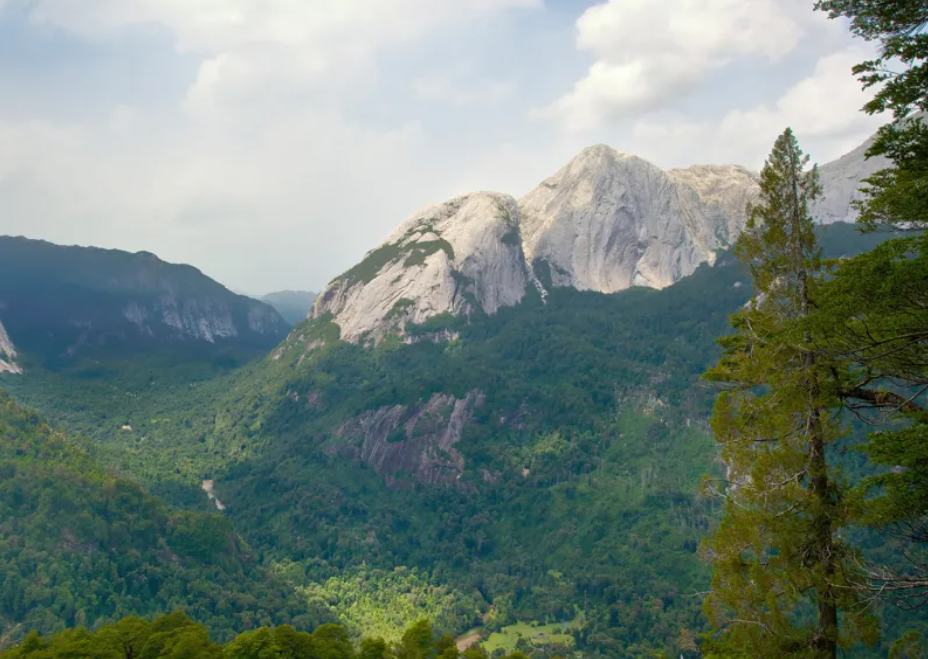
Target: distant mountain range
[[293, 306], [57, 303]]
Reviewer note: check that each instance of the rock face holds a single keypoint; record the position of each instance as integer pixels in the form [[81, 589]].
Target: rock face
[[7, 354], [608, 221], [461, 257], [841, 181], [405, 445], [58, 301], [605, 222], [731, 187]]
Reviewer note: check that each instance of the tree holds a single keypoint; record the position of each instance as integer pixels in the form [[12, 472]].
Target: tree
[[332, 642], [782, 574], [373, 648], [875, 310], [417, 642], [125, 638]]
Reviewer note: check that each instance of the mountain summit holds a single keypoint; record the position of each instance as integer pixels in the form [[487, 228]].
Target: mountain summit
[[608, 221], [458, 257]]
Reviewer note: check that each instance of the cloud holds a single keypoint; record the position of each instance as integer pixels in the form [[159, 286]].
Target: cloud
[[651, 54], [823, 109], [208, 26], [444, 91], [272, 152]]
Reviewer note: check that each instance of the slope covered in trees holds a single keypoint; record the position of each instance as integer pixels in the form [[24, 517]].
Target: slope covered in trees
[[81, 547]]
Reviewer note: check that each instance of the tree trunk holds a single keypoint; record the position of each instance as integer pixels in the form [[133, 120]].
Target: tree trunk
[[827, 631]]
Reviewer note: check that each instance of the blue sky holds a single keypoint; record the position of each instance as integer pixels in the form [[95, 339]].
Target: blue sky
[[272, 143]]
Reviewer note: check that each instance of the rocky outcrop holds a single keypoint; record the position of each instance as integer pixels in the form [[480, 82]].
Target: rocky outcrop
[[841, 182], [7, 354], [200, 319], [460, 257], [731, 187], [608, 221], [407, 445]]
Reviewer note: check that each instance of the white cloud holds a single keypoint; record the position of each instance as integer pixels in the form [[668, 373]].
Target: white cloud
[[443, 90], [209, 26], [649, 54], [823, 109], [261, 162]]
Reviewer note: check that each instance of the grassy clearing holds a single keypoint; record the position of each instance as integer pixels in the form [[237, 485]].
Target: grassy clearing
[[538, 635]]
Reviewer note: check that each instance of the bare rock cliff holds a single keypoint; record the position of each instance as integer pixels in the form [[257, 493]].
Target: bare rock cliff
[[406, 445], [608, 221], [605, 222], [7, 354], [459, 257]]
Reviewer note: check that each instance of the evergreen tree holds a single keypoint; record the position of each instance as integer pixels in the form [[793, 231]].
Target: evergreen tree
[[782, 574], [875, 310]]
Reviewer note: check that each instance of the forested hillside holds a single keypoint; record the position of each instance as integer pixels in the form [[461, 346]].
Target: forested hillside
[[82, 547], [66, 307]]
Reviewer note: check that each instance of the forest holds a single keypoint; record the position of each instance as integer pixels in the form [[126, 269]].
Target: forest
[[176, 636]]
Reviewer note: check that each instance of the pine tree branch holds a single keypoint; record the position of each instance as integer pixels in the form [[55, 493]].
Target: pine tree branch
[[882, 399]]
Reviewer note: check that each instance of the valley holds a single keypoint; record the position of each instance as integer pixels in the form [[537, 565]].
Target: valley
[[473, 425]]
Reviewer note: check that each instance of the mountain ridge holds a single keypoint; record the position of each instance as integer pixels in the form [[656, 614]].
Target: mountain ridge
[[605, 222], [57, 302]]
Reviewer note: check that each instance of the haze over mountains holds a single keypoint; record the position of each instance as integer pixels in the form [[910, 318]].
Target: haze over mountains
[[59, 301], [293, 306]]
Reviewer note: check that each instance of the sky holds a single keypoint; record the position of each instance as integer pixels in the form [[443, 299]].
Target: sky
[[271, 143]]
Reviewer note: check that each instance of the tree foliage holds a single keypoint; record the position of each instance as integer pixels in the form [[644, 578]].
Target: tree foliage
[[781, 568], [873, 310]]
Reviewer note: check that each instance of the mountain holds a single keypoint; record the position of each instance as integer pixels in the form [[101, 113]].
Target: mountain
[[461, 257], [542, 466], [608, 221], [731, 187], [453, 435], [841, 183], [58, 303], [293, 306], [605, 222]]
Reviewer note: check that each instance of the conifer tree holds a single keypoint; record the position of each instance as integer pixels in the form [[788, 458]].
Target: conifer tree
[[781, 575], [875, 310]]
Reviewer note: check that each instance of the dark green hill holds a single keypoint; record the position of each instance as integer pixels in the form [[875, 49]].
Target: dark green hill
[[63, 304]]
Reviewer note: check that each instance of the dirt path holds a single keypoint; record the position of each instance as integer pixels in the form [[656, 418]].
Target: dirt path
[[465, 642]]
